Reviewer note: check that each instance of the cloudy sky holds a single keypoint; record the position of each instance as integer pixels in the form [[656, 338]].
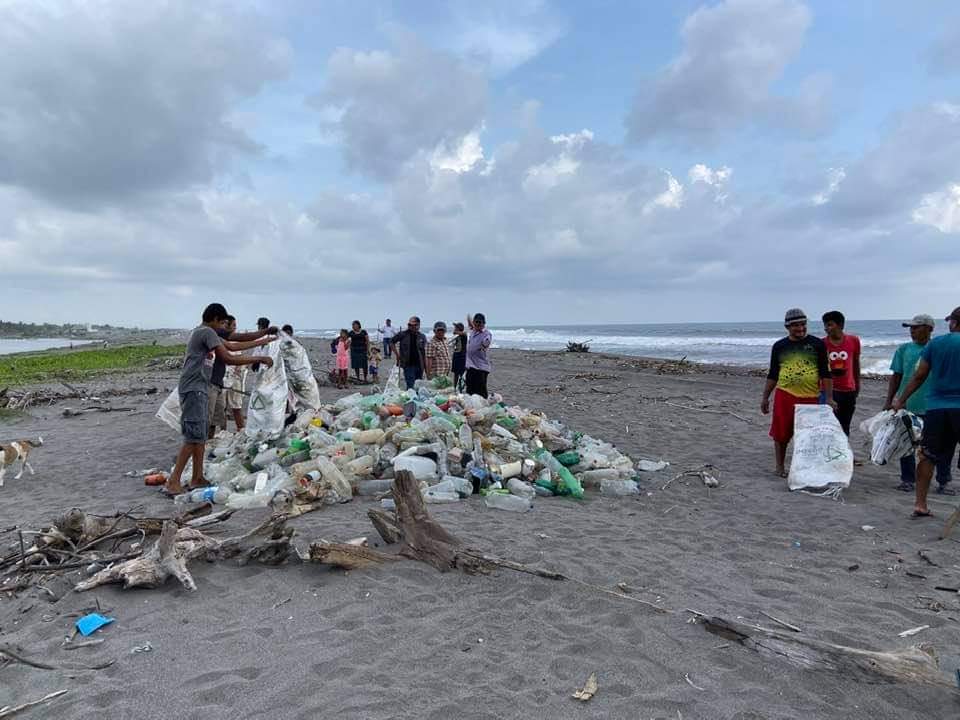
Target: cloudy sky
[[543, 162]]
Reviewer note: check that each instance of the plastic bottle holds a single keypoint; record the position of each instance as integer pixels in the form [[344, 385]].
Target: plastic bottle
[[512, 503], [361, 465], [266, 457], [423, 468], [570, 484], [440, 497], [520, 488], [511, 470], [594, 478], [541, 491], [331, 474], [388, 504], [210, 494], [619, 487], [368, 437], [466, 437], [373, 487]]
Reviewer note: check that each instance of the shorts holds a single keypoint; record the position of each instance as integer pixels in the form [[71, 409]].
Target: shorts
[[373, 371], [217, 403], [941, 432], [781, 424], [194, 416], [234, 400]]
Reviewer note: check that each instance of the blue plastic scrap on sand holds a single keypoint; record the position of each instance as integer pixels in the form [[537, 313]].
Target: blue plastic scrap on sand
[[89, 624]]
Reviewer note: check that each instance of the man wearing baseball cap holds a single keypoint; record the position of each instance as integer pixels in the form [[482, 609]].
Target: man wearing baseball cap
[[939, 369], [902, 367], [800, 374], [437, 353]]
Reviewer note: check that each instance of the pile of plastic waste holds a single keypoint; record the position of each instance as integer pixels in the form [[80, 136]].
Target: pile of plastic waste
[[455, 445], [894, 435]]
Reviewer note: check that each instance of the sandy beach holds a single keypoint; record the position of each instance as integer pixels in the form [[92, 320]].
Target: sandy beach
[[405, 641]]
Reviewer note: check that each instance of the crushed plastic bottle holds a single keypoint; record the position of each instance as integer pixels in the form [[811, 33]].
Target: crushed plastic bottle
[[511, 503], [520, 488], [212, 494]]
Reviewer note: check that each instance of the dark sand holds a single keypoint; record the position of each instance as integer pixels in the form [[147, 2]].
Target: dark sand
[[405, 641]]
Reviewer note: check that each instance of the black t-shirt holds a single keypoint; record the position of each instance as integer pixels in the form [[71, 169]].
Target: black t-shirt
[[413, 353], [219, 366], [459, 344], [358, 342]]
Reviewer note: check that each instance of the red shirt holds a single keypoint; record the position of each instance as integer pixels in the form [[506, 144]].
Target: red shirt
[[842, 357]]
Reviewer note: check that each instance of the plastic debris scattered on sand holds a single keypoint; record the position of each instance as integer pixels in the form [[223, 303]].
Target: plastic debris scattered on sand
[[89, 624]]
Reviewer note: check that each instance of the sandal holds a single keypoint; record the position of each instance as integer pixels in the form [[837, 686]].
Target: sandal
[[918, 514]]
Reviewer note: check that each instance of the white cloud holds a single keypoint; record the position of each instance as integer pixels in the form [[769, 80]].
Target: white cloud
[[462, 158], [940, 210], [672, 197], [835, 176], [732, 55]]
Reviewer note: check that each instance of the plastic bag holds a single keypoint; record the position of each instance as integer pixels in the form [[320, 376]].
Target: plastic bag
[[822, 458], [296, 364], [169, 411], [895, 435], [268, 399]]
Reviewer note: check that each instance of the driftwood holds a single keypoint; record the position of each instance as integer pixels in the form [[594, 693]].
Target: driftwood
[[386, 525], [11, 710], [167, 557], [916, 664], [268, 543], [345, 555]]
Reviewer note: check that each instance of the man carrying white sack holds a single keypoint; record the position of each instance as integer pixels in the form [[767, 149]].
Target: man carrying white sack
[[903, 366], [939, 367]]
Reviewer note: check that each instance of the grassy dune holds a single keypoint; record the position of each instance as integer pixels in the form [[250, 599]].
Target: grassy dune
[[25, 368]]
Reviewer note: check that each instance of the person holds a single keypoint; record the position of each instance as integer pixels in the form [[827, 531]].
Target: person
[[939, 368], [203, 347], [800, 374], [232, 342], [359, 350], [288, 329], [478, 366], [411, 346], [374, 363], [387, 332], [233, 383], [902, 367], [437, 353], [459, 361], [343, 358], [843, 355]]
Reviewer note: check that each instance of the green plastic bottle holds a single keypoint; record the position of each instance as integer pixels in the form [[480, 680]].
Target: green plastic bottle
[[568, 482], [568, 458]]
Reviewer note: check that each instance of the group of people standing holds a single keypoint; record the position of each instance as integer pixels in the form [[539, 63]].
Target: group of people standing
[[925, 380]]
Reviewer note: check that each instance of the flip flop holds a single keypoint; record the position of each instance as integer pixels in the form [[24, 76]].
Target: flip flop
[[918, 514], [166, 492]]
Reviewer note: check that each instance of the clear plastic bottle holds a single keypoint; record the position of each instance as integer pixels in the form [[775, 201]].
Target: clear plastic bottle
[[511, 503], [373, 487], [212, 494], [520, 488], [619, 487]]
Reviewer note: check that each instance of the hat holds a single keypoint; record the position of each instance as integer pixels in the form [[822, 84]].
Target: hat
[[440, 325], [921, 319], [794, 315], [955, 315]]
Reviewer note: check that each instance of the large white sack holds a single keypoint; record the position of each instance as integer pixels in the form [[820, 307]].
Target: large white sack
[[296, 363], [895, 435], [822, 457], [268, 398], [169, 411]]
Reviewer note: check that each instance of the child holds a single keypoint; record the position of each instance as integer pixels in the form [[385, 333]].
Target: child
[[374, 362], [459, 354], [203, 346], [343, 358]]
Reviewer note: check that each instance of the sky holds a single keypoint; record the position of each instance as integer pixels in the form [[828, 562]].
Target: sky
[[541, 162]]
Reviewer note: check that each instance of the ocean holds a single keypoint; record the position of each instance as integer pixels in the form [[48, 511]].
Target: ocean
[[731, 343]]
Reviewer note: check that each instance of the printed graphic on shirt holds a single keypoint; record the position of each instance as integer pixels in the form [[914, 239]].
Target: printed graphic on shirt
[[839, 362]]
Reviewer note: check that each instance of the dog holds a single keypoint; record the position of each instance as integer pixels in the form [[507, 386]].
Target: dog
[[17, 450]]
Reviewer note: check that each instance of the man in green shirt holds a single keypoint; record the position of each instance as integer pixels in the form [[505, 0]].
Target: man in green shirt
[[904, 364]]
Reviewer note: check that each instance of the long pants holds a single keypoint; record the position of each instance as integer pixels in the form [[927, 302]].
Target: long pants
[[477, 382], [411, 375], [846, 404]]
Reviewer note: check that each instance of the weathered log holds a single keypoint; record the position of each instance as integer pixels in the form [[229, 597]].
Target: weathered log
[[424, 538], [268, 543], [167, 557], [386, 524], [916, 664], [346, 556]]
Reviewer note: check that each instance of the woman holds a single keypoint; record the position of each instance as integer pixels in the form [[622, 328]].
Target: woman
[[359, 347], [478, 366]]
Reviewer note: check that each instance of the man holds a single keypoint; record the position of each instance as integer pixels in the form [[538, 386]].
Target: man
[[234, 342], [411, 346], [233, 382], [437, 354], [387, 332], [801, 376], [843, 355], [203, 347], [903, 366], [939, 368]]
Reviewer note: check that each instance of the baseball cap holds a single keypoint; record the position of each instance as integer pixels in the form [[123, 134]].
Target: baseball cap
[[794, 315], [955, 315], [440, 325], [921, 319]]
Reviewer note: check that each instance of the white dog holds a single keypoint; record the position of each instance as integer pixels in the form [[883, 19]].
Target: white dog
[[17, 450]]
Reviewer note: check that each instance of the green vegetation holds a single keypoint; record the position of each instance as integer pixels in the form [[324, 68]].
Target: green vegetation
[[53, 365], [9, 417]]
